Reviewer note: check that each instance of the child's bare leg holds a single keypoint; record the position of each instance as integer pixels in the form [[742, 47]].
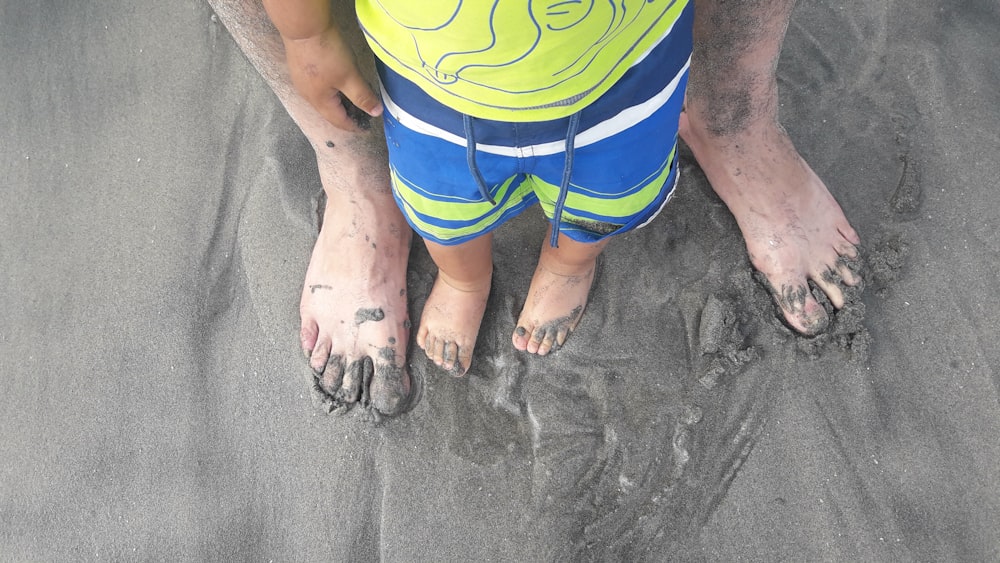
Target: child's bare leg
[[558, 294], [454, 310], [794, 230], [353, 305]]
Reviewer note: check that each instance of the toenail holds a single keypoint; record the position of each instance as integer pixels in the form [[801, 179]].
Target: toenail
[[521, 331]]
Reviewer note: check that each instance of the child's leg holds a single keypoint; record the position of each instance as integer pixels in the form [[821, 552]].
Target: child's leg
[[558, 294], [615, 177], [450, 321]]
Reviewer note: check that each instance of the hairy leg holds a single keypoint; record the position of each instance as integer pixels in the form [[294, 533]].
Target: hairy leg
[[794, 230], [354, 318], [449, 324], [557, 295]]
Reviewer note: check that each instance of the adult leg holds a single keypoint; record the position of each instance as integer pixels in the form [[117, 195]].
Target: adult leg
[[557, 295], [449, 324], [794, 230], [353, 308]]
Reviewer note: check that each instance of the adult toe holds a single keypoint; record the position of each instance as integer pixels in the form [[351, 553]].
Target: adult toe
[[333, 375], [848, 273], [354, 378], [848, 232], [810, 320], [829, 283], [320, 355], [801, 310], [846, 249], [308, 335], [390, 388]]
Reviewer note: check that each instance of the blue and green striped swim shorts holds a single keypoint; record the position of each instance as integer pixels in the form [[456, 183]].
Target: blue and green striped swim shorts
[[605, 170]]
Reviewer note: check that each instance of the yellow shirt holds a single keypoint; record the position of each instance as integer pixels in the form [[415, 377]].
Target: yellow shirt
[[528, 60]]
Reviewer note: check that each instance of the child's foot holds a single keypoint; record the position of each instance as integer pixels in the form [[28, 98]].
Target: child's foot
[[450, 322], [557, 297]]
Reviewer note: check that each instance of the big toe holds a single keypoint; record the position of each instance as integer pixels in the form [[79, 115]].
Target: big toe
[[390, 389], [801, 310], [460, 365], [520, 338], [810, 320], [457, 358]]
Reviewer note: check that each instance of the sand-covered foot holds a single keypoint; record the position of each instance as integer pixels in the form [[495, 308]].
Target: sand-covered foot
[[449, 324], [556, 300], [354, 325], [794, 230], [354, 318]]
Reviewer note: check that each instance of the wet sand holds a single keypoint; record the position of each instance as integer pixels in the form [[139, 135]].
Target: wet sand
[[157, 214]]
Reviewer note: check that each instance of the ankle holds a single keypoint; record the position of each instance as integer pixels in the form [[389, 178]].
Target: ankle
[[715, 125], [566, 268], [478, 284]]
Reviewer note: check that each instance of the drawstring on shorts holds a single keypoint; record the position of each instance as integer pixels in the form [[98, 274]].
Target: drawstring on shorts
[[484, 190], [470, 157], [574, 125]]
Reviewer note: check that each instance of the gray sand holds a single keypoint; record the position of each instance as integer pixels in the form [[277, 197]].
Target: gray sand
[[157, 214]]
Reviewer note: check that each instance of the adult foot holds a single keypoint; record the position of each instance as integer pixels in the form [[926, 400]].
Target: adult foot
[[354, 318], [556, 298], [794, 229], [449, 324]]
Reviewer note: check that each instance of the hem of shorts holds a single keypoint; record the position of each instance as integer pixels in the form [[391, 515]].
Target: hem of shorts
[[531, 198], [634, 224]]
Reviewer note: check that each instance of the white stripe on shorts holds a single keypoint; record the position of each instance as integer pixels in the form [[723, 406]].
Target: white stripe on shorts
[[610, 127]]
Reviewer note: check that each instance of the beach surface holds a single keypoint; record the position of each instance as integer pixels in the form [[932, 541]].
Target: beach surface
[[157, 211]]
